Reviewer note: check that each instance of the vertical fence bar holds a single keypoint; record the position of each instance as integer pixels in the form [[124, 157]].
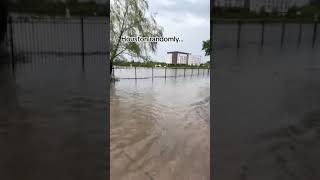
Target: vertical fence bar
[[239, 33], [314, 38], [165, 72], [55, 28], [47, 35], [22, 38], [37, 37], [203, 72], [299, 35], [35, 47], [283, 33], [65, 40], [26, 38], [184, 72], [208, 71], [135, 72], [175, 74], [152, 72], [13, 61], [191, 71], [198, 71], [82, 42], [262, 34]]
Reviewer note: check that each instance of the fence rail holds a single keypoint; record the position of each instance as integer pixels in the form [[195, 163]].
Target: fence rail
[[151, 73], [240, 33], [29, 38]]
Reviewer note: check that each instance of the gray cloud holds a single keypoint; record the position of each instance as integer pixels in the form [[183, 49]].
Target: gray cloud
[[186, 19], [199, 8]]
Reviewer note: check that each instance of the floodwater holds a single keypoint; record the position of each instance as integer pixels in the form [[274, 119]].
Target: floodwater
[[267, 104], [53, 119], [159, 129], [53, 110]]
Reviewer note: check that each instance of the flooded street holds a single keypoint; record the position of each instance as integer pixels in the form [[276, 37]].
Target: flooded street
[[273, 94], [52, 120], [160, 129]]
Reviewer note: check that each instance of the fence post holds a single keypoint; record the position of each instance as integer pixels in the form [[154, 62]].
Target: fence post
[[208, 71], [191, 71], [314, 34], [135, 72], [239, 33], [299, 35], [176, 73], [203, 72], [165, 72], [152, 72], [198, 71], [13, 60], [184, 72], [262, 34], [283, 33], [82, 42]]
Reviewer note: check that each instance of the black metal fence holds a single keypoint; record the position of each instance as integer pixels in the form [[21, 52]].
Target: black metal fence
[[78, 40], [158, 72], [239, 34]]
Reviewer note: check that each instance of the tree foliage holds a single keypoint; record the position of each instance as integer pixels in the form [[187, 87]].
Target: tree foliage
[[206, 46], [130, 18], [310, 10]]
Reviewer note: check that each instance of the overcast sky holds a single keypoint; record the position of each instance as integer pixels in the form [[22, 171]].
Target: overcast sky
[[187, 19]]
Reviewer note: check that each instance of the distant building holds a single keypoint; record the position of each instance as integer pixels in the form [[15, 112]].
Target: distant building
[[230, 3], [281, 6], [194, 60], [246, 4], [177, 57]]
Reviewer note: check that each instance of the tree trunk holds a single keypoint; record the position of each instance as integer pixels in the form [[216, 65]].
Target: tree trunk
[[111, 68]]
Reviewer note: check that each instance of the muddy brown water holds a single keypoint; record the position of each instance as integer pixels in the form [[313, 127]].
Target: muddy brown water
[[160, 129]]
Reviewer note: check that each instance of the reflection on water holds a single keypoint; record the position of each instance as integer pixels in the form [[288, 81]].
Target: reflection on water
[[55, 122], [267, 101], [289, 152], [160, 129]]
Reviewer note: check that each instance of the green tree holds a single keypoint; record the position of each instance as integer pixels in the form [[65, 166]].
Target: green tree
[[130, 18], [72, 2], [263, 12], [309, 10], [292, 11], [206, 46], [274, 12], [26, 5]]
